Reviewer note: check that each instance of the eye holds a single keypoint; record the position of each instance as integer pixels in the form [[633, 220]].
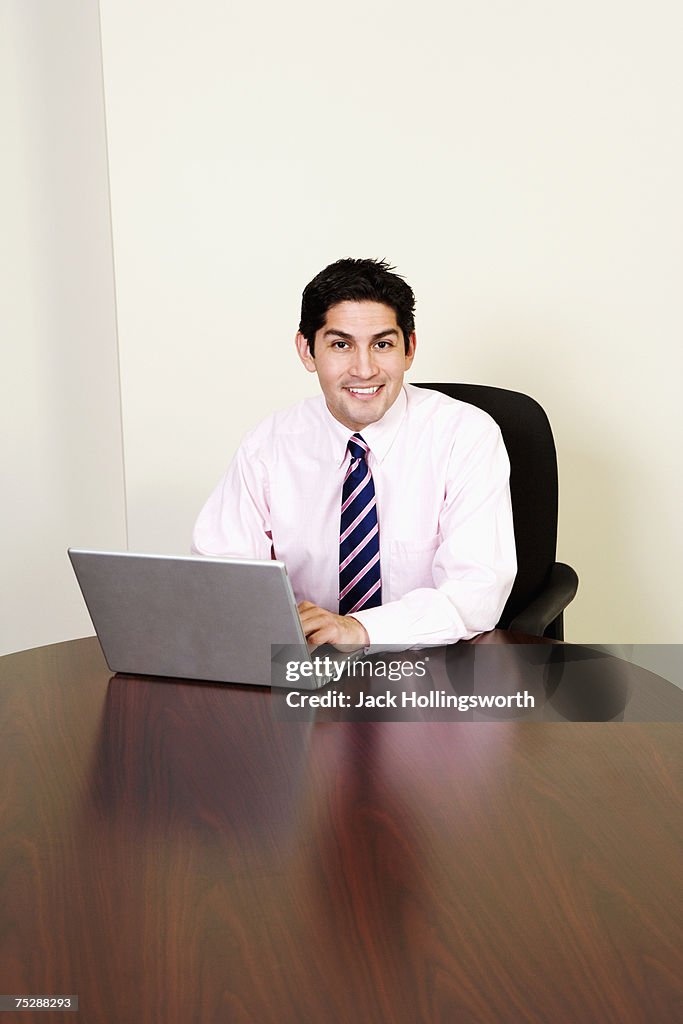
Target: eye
[[382, 345], [340, 345]]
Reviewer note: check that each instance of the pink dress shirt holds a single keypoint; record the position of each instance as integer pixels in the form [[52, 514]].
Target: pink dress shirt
[[441, 474]]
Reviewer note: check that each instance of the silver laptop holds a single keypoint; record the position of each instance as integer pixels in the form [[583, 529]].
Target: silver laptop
[[225, 620]]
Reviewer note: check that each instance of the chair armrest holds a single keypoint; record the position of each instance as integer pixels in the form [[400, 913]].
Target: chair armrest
[[559, 590]]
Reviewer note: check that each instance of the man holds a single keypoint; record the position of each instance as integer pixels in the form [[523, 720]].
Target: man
[[389, 504]]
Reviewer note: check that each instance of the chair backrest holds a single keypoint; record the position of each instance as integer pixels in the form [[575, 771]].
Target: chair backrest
[[533, 483]]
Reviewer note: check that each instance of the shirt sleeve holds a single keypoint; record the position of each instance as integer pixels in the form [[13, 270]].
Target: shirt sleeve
[[235, 521], [475, 564]]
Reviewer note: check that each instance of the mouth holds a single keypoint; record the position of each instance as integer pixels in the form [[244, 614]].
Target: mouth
[[364, 394]]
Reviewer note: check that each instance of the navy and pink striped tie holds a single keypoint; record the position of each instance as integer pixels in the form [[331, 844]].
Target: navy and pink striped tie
[[360, 583]]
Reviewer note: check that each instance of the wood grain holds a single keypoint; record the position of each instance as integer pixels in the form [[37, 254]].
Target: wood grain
[[169, 852]]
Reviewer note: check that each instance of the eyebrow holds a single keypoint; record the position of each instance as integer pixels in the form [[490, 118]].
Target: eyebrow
[[349, 337]]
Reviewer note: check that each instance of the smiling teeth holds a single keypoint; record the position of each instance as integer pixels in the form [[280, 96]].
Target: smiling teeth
[[363, 391]]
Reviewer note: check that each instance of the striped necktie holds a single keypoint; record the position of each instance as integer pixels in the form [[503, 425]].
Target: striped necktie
[[360, 583]]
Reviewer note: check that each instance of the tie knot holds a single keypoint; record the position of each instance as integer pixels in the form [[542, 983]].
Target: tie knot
[[357, 447]]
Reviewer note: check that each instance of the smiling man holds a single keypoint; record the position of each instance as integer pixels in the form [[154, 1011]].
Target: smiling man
[[389, 504]]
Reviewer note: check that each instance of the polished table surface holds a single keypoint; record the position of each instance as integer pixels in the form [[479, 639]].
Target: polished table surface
[[172, 852]]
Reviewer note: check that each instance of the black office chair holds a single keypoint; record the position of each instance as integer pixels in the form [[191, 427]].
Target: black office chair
[[543, 587]]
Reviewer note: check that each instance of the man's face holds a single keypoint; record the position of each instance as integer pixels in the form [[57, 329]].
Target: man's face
[[360, 360]]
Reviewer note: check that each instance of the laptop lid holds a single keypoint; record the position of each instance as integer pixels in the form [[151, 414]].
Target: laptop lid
[[191, 618]]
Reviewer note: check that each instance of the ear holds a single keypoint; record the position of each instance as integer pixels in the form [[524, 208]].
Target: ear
[[304, 352], [410, 354]]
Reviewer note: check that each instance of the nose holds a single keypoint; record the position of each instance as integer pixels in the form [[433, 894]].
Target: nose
[[363, 364]]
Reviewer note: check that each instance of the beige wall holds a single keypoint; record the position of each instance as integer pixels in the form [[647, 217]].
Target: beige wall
[[62, 470], [519, 163]]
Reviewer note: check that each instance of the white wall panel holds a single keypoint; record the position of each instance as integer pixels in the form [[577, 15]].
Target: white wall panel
[[62, 468]]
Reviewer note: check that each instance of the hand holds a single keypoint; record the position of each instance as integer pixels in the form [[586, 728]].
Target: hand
[[322, 627]]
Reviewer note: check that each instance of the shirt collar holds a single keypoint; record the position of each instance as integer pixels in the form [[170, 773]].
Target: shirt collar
[[378, 436]]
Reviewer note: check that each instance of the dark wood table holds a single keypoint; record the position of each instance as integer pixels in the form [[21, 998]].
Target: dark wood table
[[172, 852]]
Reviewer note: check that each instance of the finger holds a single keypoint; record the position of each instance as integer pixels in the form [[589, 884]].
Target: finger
[[313, 613], [313, 618], [316, 628], [308, 618], [324, 635]]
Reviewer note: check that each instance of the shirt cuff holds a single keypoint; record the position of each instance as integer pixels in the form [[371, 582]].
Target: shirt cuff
[[390, 628]]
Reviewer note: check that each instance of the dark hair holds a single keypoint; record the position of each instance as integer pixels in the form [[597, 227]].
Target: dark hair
[[356, 281]]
